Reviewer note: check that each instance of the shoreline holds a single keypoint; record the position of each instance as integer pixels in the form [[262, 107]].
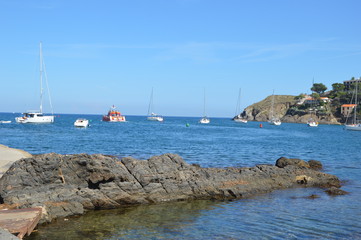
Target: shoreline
[[66, 185]]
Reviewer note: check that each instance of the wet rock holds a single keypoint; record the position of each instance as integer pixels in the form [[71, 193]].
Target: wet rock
[[64, 185], [283, 162], [314, 164], [313, 196], [334, 191]]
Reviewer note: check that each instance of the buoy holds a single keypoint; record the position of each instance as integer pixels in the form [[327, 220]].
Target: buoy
[[187, 124], [260, 125]]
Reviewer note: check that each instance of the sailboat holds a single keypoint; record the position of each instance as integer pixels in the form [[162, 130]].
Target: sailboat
[[37, 116], [204, 119], [272, 119], [238, 117], [311, 122], [151, 115], [355, 125]]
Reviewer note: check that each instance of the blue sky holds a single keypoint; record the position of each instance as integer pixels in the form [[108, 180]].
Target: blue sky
[[100, 53]]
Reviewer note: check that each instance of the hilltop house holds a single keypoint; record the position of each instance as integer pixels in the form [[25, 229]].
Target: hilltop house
[[348, 83], [346, 109]]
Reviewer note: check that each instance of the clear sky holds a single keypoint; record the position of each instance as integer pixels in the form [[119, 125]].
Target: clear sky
[[100, 53]]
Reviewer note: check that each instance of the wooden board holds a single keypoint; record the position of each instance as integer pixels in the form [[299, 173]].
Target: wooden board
[[20, 221]]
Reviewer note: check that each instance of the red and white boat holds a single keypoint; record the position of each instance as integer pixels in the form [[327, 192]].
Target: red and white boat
[[113, 116]]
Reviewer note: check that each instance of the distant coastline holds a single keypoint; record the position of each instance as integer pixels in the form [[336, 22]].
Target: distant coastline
[[287, 108]]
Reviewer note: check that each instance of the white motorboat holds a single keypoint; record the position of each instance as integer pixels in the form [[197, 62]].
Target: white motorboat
[[355, 125], [312, 123], [37, 116], [151, 115], [81, 122]]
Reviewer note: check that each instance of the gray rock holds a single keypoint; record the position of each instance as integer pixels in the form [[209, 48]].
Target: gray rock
[[65, 185], [6, 235], [334, 191], [283, 162], [314, 164]]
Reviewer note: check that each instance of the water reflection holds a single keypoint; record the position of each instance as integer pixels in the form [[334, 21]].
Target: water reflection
[[136, 222]]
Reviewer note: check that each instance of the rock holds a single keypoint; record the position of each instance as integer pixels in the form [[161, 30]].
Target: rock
[[283, 162], [314, 164], [313, 196], [334, 191], [65, 185], [6, 235]]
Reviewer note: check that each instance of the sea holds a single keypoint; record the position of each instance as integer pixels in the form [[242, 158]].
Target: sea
[[282, 214]]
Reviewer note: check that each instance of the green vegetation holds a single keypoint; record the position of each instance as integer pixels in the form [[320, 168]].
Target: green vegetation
[[338, 96], [318, 88]]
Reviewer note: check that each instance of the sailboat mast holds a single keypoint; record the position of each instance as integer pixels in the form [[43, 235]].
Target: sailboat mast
[[150, 103], [204, 103], [41, 79], [272, 104], [238, 106], [355, 108]]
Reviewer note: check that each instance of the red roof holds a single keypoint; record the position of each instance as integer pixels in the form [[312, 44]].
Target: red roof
[[348, 105]]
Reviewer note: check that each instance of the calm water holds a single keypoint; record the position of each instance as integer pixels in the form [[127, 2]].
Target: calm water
[[286, 214]]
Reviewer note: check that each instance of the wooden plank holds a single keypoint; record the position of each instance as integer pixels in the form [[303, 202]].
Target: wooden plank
[[20, 221]]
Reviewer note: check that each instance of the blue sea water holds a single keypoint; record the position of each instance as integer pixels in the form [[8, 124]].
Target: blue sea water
[[286, 214]]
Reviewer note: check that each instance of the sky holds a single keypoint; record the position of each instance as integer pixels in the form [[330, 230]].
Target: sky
[[113, 52]]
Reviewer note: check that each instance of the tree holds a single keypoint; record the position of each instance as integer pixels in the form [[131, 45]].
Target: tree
[[318, 88], [338, 87], [316, 96], [299, 97]]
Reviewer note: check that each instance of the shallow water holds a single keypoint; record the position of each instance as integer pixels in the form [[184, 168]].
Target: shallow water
[[286, 214]]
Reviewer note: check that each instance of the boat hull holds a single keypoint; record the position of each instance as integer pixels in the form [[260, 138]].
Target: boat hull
[[82, 123], [204, 121], [312, 124], [155, 118], [275, 122], [240, 120], [353, 127], [114, 119], [42, 119]]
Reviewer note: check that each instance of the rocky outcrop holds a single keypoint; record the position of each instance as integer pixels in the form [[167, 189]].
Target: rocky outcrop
[[64, 185], [261, 111], [302, 117], [283, 110]]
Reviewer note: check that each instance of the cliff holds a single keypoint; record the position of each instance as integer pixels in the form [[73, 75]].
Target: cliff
[[286, 109], [64, 185]]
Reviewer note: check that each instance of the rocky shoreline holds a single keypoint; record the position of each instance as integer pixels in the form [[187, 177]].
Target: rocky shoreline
[[66, 185]]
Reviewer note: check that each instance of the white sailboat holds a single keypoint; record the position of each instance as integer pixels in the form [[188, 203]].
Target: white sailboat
[[151, 115], [272, 119], [37, 116], [238, 117], [204, 119], [355, 124], [311, 122]]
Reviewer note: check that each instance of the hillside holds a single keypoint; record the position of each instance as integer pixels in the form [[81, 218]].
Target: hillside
[[287, 109]]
